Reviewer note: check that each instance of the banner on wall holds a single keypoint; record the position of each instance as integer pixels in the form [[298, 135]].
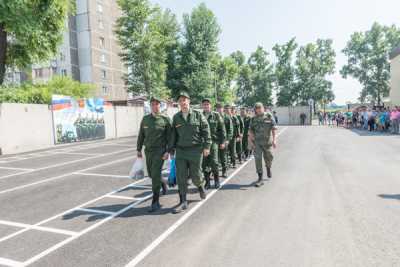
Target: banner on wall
[[78, 120]]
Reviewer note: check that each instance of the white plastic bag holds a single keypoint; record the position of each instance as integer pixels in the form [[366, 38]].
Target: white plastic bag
[[137, 170]]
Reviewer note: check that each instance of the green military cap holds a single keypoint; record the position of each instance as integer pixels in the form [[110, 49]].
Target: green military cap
[[258, 105], [227, 106], [183, 93], [206, 100], [218, 105], [154, 98]]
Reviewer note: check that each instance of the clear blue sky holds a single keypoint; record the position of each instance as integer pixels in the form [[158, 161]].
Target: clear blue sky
[[247, 24]]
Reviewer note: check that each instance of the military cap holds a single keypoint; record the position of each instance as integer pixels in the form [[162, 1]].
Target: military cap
[[258, 105], [154, 98], [218, 105], [227, 106], [206, 100], [183, 93]]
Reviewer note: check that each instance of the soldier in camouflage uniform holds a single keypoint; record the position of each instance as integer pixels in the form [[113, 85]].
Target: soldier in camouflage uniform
[[218, 135], [262, 136], [223, 149], [240, 125], [191, 139], [231, 153], [245, 140], [154, 134]]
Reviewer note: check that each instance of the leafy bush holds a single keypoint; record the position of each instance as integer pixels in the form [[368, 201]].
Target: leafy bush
[[41, 93]]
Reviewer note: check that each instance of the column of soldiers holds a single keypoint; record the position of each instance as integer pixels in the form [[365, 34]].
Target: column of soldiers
[[200, 143]]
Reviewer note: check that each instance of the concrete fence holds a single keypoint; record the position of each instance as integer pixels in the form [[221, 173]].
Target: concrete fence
[[291, 115], [27, 127]]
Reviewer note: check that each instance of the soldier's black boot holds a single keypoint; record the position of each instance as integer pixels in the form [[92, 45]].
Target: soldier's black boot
[[164, 188], [269, 173], [216, 181], [207, 178], [202, 192], [260, 180], [240, 158], [155, 204], [224, 173], [184, 202]]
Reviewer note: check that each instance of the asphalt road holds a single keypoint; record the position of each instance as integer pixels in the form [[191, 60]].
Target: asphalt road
[[334, 200]]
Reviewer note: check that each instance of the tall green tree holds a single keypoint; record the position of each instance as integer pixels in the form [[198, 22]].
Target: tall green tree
[[146, 34], [225, 72], [262, 78], [200, 32], [284, 73], [314, 63], [30, 31], [368, 61]]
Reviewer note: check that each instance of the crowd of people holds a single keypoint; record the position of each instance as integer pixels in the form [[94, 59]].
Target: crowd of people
[[371, 119]]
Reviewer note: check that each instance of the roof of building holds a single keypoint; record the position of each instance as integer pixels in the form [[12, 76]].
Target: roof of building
[[395, 52]]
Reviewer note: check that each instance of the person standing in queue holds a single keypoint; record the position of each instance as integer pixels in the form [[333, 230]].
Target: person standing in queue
[[223, 152], [218, 135], [231, 153], [262, 136], [191, 141], [240, 127], [245, 140], [154, 134]]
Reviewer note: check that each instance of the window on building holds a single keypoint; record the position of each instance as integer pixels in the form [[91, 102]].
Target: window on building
[[105, 89], [102, 42], [103, 58], [100, 7], [63, 72], [103, 74], [39, 73], [101, 25], [62, 57]]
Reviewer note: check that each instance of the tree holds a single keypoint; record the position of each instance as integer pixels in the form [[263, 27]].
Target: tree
[[200, 32], [30, 31], [284, 73], [146, 34], [368, 60], [225, 72], [262, 78], [314, 62], [42, 93]]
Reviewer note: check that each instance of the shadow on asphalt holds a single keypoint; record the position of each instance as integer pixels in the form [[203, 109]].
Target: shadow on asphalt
[[238, 186], [369, 133], [387, 196]]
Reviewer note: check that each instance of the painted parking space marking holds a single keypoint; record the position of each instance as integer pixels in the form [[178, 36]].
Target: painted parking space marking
[[143, 254], [16, 169], [39, 228], [122, 197], [102, 175], [96, 211], [8, 262]]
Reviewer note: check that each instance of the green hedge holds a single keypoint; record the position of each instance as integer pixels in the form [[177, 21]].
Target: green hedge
[[41, 93]]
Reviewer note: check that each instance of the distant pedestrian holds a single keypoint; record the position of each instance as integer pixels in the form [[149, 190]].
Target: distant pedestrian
[[303, 118]]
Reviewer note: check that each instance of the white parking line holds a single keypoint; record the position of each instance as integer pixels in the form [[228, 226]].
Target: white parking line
[[68, 162], [102, 175], [39, 228], [17, 169], [8, 262], [96, 211], [122, 197], [75, 153], [186, 216], [62, 176], [71, 210]]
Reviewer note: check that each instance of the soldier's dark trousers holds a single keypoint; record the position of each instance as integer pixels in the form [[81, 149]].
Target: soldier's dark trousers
[[188, 165], [232, 151], [222, 158], [154, 163], [239, 150], [260, 151], [210, 163], [245, 146]]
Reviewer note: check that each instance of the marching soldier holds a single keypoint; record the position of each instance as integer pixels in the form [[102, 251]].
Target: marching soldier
[[192, 140], [223, 152], [246, 123], [240, 125], [154, 134], [231, 153], [262, 137], [218, 135]]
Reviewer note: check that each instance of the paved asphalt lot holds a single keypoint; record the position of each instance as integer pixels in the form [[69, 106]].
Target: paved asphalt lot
[[334, 200]]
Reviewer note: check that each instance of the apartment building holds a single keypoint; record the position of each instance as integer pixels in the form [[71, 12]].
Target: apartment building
[[395, 77], [89, 52]]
